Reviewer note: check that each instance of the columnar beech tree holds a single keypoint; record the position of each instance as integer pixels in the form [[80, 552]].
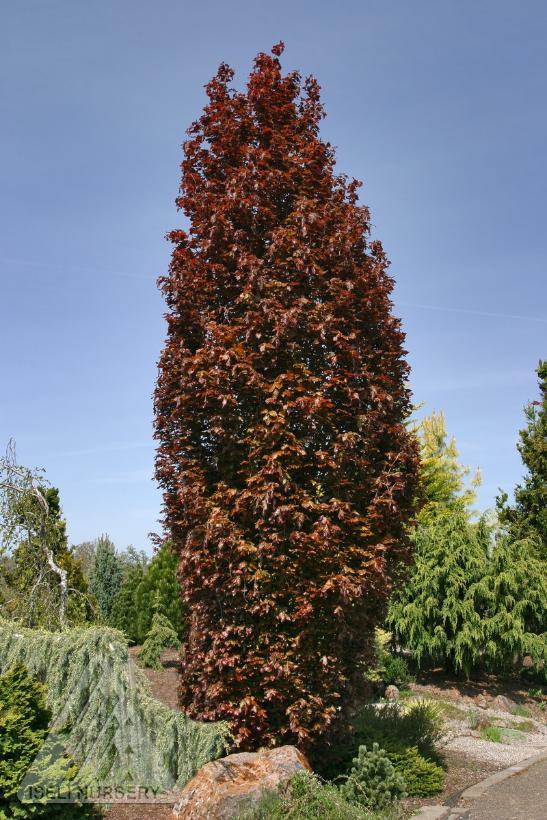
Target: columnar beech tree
[[287, 470]]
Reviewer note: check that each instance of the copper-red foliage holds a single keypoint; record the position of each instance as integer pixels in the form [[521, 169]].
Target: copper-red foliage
[[287, 471]]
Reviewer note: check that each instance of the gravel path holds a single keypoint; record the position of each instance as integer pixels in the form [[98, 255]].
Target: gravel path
[[460, 738], [503, 753]]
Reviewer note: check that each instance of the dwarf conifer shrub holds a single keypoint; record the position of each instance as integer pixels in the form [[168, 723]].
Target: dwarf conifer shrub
[[373, 781], [24, 722], [396, 671], [161, 636], [421, 777]]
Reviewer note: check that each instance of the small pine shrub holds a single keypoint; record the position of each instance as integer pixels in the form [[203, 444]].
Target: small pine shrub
[[421, 777], [396, 671], [161, 636], [373, 781]]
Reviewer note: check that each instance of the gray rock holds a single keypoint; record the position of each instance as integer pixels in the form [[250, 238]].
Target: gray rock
[[503, 703], [391, 693]]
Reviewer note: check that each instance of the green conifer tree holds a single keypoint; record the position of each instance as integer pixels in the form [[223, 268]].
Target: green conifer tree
[[159, 591], [515, 620], [106, 575], [437, 613], [443, 480], [527, 516], [124, 614], [161, 636]]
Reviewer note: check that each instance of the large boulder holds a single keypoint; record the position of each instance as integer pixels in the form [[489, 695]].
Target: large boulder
[[224, 788]]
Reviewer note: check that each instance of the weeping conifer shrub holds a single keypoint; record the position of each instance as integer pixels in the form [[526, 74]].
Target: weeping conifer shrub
[[287, 470], [471, 601], [102, 710], [437, 612], [514, 622]]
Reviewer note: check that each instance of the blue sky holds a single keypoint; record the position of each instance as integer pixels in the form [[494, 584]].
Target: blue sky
[[438, 106]]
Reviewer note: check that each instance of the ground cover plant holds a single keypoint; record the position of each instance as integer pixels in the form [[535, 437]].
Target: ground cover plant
[[308, 798]]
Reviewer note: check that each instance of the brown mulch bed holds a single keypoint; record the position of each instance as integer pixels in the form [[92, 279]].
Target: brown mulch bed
[[164, 683]]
